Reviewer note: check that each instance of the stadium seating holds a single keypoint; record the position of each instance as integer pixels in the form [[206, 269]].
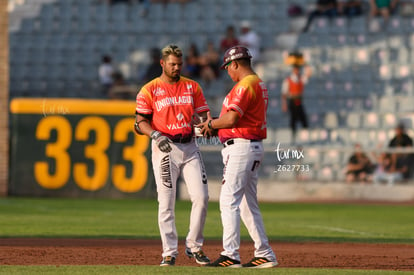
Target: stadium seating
[[361, 87]]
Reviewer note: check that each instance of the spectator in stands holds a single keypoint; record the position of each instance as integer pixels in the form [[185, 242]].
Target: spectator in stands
[[292, 96], [350, 7], [209, 63], [251, 40], [229, 40], [401, 139], [359, 167], [111, 2], [170, 1], [191, 67], [382, 7], [146, 6], [323, 8], [390, 170], [105, 72], [154, 69], [121, 89]]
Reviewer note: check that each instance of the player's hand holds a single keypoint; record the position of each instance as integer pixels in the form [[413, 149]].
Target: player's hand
[[204, 129], [162, 142]]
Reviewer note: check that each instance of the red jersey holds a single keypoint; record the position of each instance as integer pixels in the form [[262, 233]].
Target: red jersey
[[249, 98], [172, 106]]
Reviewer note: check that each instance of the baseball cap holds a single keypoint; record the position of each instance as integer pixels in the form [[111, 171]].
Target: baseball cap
[[233, 53]]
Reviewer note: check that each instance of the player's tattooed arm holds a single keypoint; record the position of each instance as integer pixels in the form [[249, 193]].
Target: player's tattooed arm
[[142, 124], [143, 127]]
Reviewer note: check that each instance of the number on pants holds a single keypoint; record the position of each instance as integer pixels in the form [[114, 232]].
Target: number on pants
[[256, 164]]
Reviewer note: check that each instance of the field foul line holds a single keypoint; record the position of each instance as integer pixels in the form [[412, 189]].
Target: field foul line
[[343, 230]]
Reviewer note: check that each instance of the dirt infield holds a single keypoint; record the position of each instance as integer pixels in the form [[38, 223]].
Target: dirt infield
[[38, 251]]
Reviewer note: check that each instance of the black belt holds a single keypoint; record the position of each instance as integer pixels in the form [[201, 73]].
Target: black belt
[[182, 139], [231, 142]]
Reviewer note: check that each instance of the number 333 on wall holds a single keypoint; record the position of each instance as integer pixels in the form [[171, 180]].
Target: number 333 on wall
[[95, 152], [89, 144]]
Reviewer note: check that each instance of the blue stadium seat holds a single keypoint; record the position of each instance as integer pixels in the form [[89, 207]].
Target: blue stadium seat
[[325, 174], [339, 25], [357, 25], [387, 104], [283, 136]]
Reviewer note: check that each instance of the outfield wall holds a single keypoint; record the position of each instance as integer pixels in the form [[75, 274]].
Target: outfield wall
[[272, 191], [78, 148]]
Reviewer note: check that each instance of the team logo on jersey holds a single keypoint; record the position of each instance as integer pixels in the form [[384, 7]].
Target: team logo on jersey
[[179, 125], [180, 116], [159, 91], [173, 101]]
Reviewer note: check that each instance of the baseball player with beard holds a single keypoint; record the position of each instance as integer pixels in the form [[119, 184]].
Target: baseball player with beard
[[241, 128], [165, 110]]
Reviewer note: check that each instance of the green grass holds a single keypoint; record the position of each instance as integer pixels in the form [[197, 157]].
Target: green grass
[[137, 218]]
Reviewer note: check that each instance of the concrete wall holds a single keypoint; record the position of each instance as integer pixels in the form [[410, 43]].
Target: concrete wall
[[4, 98], [271, 191]]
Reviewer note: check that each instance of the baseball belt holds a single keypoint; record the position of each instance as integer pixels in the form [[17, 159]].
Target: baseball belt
[[239, 140], [182, 139]]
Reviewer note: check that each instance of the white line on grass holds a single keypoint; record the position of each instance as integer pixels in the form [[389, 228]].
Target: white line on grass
[[343, 230]]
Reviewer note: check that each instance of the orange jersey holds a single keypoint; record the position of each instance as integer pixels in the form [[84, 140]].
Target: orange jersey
[[249, 98], [295, 88], [172, 106]]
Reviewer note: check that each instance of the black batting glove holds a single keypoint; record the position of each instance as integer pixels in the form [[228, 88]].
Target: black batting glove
[[162, 142]]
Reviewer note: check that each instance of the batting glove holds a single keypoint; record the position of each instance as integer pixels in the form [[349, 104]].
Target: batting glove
[[162, 142]]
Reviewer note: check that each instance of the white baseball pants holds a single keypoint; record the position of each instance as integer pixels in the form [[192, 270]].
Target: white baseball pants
[[184, 160], [238, 199]]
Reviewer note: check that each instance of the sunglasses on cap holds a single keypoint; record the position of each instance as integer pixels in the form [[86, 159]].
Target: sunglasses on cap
[[227, 65]]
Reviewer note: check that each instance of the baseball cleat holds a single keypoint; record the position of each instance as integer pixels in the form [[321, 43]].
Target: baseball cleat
[[199, 256], [225, 261], [260, 263], [168, 261]]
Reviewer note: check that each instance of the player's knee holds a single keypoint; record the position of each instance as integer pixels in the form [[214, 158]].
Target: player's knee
[[201, 199]]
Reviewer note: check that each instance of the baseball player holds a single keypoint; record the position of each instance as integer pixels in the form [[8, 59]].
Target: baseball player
[[165, 109], [241, 128]]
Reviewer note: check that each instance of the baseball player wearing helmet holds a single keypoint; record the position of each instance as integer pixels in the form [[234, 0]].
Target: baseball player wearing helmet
[[241, 128], [165, 109]]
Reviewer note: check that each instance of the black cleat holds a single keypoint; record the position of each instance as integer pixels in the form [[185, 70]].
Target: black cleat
[[199, 256], [168, 261], [225, 261], [260, 263]]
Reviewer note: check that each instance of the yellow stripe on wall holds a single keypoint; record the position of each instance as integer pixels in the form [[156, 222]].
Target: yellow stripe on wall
[[58, 106]]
